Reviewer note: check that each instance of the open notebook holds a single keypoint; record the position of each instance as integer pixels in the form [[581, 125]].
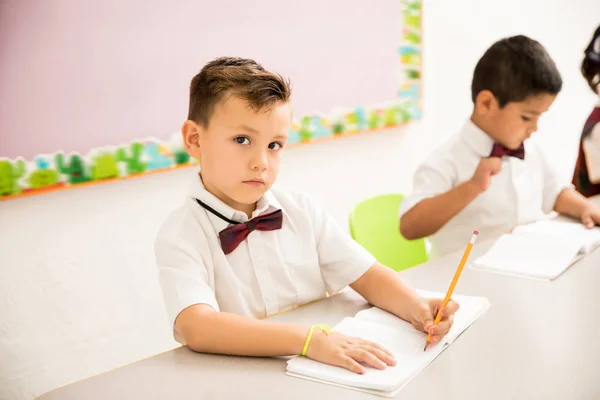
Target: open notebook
[[540, 250], [398, 336]]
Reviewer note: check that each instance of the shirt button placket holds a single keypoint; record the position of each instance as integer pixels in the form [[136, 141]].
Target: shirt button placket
[[260, 262]]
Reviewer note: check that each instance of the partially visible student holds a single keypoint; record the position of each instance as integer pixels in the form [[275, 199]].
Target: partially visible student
[[489, 176], [238, 250], [586, 177]]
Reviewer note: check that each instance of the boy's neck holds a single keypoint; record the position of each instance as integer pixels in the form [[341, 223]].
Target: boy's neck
[[247, 209]]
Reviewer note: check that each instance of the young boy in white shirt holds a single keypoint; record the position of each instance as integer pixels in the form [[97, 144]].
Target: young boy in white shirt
[[489, 177], [238, 250]]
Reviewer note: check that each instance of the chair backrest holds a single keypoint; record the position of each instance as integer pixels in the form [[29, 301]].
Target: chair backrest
[[374, 223]]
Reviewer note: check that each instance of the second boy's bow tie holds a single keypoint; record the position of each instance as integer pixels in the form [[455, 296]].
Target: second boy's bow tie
[[237, 232], [498, 151]]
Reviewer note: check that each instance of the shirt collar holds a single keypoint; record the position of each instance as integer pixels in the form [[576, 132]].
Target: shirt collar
[[197, 190], [477, 139]]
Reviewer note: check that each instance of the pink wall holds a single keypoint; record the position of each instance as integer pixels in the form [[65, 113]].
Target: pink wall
[[81, 74]]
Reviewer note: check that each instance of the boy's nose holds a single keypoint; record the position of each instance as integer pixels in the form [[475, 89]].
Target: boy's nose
[[534, 127], [259, 162]]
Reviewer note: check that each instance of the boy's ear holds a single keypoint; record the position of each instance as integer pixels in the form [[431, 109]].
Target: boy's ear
[[485, 102], [190, 132]]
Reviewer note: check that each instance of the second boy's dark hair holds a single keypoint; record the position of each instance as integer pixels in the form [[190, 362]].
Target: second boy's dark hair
[[515, 68]]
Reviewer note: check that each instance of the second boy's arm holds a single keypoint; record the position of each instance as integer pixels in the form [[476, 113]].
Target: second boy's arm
[[431, 214], [565, 200], [573, 204]]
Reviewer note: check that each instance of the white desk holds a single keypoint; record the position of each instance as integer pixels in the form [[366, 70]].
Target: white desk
[[539, 340]]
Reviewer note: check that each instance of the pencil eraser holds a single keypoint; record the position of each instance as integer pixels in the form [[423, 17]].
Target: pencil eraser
[[475, 232]]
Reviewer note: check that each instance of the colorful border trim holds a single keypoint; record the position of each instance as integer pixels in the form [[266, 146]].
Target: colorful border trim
[[51, 172]]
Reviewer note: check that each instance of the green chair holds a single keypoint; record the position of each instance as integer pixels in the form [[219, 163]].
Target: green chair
[[374, 223]]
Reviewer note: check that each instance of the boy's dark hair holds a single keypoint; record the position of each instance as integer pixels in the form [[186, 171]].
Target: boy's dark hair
[[244, 78], [590, 66], [591, 72], [514, 69]]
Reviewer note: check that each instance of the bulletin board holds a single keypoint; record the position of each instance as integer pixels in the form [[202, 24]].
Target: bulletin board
[[59, 171]]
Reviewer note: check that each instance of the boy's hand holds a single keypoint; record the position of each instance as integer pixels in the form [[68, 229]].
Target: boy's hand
[[423, 315], [485, 170], [590, 216], [337, 349]]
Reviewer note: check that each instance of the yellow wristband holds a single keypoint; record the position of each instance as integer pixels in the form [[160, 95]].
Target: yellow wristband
[[326, 329]]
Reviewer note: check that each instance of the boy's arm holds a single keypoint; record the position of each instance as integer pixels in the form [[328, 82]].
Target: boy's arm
[[563, 199], [208, 331], [384, 288], [431, 214], [574, 204]]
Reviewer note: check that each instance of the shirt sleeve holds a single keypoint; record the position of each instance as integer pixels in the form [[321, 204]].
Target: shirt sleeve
[[341, 259], [591, 148], [431, 179], [182, 274]]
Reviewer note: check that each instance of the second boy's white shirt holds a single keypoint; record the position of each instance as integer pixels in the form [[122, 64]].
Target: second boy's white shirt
[[269, 272], [523, 191]]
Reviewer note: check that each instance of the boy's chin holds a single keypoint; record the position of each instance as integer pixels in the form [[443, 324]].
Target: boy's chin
[[514, 145], [249, 197]]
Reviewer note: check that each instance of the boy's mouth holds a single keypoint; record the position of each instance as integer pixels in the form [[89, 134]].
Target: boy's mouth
[[255, 182]]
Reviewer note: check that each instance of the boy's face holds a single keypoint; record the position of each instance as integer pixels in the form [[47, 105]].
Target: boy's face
[[240, 151], [514, 123]]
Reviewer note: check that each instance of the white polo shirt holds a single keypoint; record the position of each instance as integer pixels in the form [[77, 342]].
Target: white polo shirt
[[524, 190], [269, 272]]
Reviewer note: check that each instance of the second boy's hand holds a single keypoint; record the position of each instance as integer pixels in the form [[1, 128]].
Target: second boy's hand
[[488, 167]]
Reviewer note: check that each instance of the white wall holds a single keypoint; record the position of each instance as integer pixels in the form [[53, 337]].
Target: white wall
[[78, 288]]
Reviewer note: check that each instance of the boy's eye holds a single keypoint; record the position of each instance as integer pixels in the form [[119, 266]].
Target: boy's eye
[[526, 119], [242, 140], [275, 146]]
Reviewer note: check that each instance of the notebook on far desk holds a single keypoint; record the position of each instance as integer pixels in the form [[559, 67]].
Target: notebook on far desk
[[398, 336], [541, 250]]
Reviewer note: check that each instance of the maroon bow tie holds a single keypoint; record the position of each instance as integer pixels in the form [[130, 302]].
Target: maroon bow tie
[[498, 151], [232, 236]]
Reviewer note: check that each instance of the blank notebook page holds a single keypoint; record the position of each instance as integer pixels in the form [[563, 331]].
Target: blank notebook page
[[575, 231], [538, 256]]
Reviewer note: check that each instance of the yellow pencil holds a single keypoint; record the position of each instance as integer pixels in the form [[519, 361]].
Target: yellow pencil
[[463, 261]]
